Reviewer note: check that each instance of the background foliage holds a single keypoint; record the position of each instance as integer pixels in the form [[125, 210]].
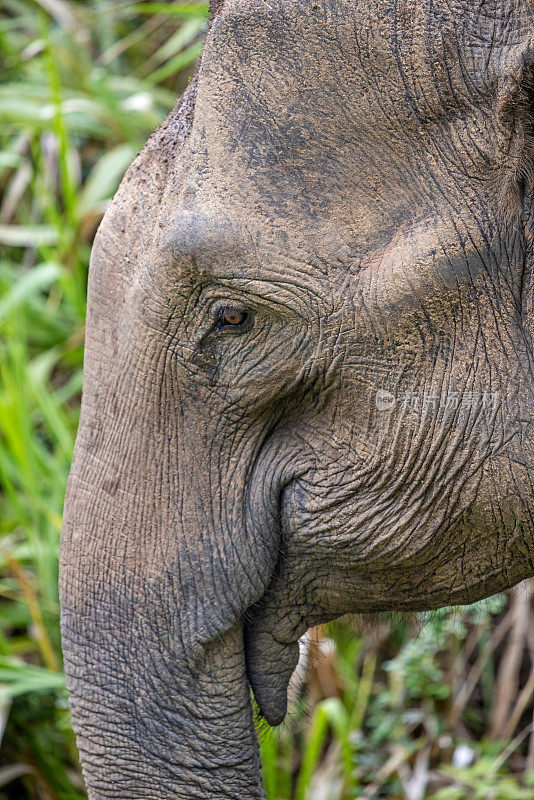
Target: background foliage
[[440, 708]]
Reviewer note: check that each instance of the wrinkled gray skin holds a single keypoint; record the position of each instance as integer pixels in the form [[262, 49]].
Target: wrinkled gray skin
[[355, 176]]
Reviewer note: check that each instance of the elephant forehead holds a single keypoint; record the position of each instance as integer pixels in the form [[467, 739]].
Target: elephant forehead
[[317, 101], [420, 56]]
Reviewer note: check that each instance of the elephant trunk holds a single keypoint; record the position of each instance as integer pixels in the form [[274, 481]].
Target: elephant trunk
[[154, 717], [150, 726], [155, 578]]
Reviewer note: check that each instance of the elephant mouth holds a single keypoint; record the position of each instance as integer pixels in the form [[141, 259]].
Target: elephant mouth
[[293, 600], [269, 666], [271, 661]]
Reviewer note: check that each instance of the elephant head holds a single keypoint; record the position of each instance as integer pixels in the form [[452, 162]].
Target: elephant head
[[309, 371]]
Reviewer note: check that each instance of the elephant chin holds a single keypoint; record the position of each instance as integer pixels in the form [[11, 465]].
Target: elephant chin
[[270, 664]]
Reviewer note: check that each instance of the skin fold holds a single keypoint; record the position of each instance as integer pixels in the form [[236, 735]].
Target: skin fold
[[350, 184]]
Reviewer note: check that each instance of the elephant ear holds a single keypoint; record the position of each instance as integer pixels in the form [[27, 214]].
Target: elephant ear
[[515, 115]]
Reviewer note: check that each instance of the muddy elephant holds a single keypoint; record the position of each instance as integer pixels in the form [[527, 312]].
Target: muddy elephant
[[309, 372]]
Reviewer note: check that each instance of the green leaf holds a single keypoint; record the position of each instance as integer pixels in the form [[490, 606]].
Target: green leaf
[[175, 9], [179, 62], [105, 177], [30, 283], [28, 235], [20, 678]]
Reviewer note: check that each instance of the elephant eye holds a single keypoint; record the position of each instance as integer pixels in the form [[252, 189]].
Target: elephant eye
[[233, 320]]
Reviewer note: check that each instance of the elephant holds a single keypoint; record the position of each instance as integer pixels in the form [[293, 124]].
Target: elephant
[[309, 372]]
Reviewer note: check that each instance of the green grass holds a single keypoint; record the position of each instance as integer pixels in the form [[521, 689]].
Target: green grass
[[82, 86], [81, 89]]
